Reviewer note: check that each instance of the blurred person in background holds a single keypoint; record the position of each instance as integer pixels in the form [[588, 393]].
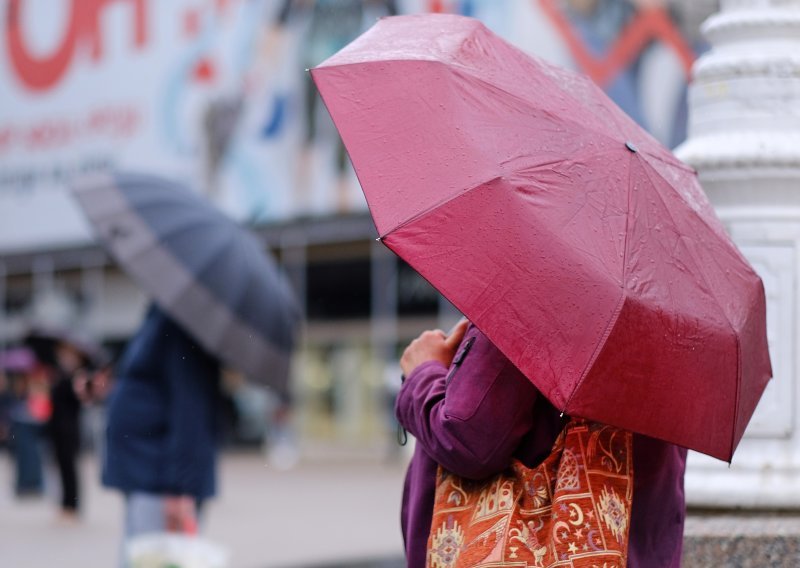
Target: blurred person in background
[[27, 407], [163, 428], [64, 427], [67, 359], [6, 401]]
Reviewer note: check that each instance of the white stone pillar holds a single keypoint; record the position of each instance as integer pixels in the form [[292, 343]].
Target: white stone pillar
[[744, 141]]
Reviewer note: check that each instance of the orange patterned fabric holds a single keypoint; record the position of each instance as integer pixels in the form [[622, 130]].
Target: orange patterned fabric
[[572, 510]]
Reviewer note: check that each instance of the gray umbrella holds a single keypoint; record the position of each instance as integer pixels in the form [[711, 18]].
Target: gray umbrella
[[208, 273]]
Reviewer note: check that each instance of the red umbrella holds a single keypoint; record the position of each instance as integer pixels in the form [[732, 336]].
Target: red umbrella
[[579, 245]]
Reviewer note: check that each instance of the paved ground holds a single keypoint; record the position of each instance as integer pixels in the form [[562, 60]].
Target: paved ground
[[321, 513], [328, 512], [755, 539]]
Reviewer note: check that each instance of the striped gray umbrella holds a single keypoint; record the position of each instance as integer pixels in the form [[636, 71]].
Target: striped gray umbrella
[[204, 270]]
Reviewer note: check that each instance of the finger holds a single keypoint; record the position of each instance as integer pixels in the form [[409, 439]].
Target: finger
[[433, 333], [458, 323], [457, 334]]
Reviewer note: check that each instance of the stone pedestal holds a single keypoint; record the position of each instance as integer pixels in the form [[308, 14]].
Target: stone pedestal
[[744, 141]]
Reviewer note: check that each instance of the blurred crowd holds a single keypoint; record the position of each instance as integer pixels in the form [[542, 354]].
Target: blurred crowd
[[45, 382], [54, 390]]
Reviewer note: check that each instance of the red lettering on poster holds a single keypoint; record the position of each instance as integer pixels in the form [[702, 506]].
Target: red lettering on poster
[[108, 123], [42, 72], [7, 135], [48, 134], [116, 122]]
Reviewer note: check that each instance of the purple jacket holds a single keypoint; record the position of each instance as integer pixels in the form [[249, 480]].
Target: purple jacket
[[487, 413]]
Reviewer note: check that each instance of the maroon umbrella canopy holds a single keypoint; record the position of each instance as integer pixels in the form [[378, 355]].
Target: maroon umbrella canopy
[[578, 244]]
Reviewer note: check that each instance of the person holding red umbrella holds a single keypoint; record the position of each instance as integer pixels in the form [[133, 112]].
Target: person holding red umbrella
[[471, 410], [604, 287], [583, 249]]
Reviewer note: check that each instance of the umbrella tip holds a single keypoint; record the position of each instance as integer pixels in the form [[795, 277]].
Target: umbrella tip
[[631, 146]]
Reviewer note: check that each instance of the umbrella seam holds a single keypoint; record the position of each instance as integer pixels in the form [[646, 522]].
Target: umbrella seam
[[466, 190], [618, 310], [373, 217], [441, 203], [136, 209], [738, 398], [235, 318], [716, 301], [518, 98], [738, 392], [466, 71], [676, 162], [273, 350], [696, 260], [600, 346], [461, 192], [693, 211]]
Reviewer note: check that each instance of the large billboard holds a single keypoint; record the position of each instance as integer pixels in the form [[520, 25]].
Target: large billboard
[[91, 85], [215, 93]]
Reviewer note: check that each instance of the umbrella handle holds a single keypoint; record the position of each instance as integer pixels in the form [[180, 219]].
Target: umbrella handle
[[402, 434]]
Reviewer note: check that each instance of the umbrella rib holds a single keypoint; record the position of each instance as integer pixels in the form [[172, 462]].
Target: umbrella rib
[[436, 205], [456, 195], [697, 262], [467, 71], [466, 190], [732, 248], [716, 301], [738, 351], [695, 259], [159, 242], [527, 103], [674, 162], [612, 322]]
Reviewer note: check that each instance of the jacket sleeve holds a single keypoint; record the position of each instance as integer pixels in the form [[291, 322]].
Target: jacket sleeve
[[472, 423]]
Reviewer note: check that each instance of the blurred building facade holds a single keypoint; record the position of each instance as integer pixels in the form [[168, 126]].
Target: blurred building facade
[[214, 93], [744, 141]]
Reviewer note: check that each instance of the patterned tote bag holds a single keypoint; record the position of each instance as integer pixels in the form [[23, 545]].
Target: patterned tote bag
[[572, 510]]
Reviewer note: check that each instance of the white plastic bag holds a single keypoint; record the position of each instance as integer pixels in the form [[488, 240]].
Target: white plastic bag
[[174, 550]]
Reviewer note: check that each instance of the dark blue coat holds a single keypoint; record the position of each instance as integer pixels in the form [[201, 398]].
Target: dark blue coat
[[162, 414]]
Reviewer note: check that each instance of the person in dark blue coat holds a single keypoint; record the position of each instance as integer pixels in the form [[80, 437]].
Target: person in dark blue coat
[[162, 431]]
